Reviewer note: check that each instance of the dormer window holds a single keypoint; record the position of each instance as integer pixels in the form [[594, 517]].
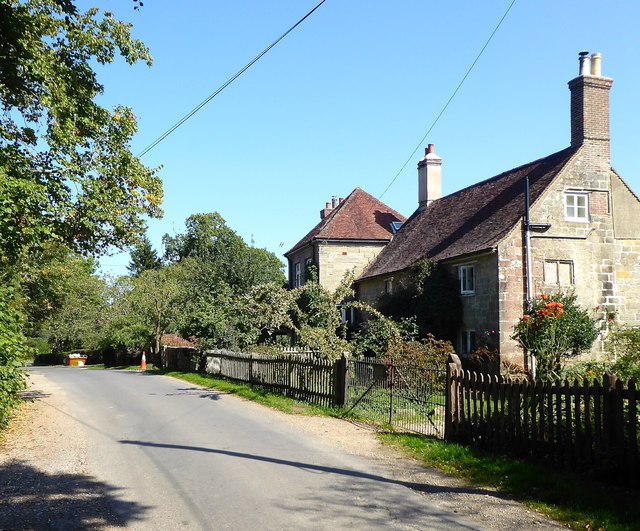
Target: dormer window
[[576, 206]]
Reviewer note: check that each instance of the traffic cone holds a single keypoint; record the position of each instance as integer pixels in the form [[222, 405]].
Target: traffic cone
[[143, 362]]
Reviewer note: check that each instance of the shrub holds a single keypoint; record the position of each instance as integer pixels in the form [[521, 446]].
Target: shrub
[[13, 348], [554, 329]]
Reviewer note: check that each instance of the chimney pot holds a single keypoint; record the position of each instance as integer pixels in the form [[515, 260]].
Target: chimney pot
[[334, 202], [430, 149], [596, 65], [340, 200], [585, 65], [327, 205]]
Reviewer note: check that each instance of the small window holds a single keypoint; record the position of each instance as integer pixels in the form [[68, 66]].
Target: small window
[[467, 276], [347, 315], [467, 342], [297, 275], [576, 206], [559, 272], [395, 226], [388, 286]]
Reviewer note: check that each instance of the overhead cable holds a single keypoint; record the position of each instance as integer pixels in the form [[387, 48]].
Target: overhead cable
[[450, 99], [226, 84]]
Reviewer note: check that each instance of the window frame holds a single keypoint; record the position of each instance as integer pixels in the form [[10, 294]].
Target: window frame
[[297, 275], [388, 286], [464, 278], [556, 263], [575, 196]]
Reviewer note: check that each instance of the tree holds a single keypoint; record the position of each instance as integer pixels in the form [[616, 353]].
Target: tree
[[209, 240], [12, 349], [143, 258], [67, 301], [554, 329], [66, 168]]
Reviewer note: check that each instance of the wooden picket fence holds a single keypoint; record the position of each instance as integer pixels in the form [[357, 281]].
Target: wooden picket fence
[[300, 376], [589, 427]]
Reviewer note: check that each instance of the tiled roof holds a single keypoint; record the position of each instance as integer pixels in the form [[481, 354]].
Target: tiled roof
[[469, 221], [359, 217]]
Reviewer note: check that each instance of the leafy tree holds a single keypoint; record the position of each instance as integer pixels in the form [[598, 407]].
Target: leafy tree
[[154, 301], [432, 298], [266, 310], [318, 316], [12, 349], [66, 168], [77, 318], [143, 258], [554, 329], [209, 240]]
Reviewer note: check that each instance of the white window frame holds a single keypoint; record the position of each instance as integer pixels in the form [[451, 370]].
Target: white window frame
[[296, 275], [468, 342], [571, 202], [467, 282]]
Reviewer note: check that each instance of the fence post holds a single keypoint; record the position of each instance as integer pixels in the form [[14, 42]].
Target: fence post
[[454, 365], [340, 381]]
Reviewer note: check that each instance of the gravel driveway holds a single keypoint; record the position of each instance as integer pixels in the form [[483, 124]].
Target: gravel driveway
[[44, 482]]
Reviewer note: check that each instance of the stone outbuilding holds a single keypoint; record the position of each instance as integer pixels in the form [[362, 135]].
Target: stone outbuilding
[[582, 232]]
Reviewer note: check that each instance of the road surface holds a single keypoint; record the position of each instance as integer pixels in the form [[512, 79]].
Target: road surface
[[175, 456]]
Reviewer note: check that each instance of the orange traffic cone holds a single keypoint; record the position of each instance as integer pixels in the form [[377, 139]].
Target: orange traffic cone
[[143, 362]]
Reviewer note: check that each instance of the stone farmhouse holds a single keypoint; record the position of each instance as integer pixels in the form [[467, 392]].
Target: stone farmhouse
[[582, 233], [350, 234]]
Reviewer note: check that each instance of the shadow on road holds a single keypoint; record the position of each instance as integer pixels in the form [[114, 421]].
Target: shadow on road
[[421, 487], [33, 499]]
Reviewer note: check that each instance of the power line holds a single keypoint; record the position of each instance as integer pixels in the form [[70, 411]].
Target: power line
[[227, 83], [450, 99]]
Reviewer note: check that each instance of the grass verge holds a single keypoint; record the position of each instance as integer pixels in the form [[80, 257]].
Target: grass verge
[[579, 503], [574, 501]]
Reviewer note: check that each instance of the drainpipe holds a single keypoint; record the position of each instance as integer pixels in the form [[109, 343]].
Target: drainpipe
[[527, 252]]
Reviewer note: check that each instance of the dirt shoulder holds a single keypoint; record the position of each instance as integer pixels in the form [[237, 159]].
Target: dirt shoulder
[[43, 470], [43, 467]]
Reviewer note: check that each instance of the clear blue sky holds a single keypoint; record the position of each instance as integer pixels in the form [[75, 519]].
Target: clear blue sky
[[345, 98]]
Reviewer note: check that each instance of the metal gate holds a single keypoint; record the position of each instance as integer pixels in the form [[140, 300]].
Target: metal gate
[[405, 397]]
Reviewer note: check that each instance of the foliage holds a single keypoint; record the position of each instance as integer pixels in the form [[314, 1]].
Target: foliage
[[12, 349], [76, 298], [268, 309], [66, 166], [427, 352], [431, 297], [143, 258], [625, 343], [375, 335], [211, 241], [554, 329], [318, 316]]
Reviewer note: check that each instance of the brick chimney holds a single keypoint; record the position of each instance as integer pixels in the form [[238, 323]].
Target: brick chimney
[[325, 211], [590, 107], [429, 177]]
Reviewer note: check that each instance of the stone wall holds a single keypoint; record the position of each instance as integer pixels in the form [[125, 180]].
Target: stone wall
[[336, 259], [585, 257], [480, 309]]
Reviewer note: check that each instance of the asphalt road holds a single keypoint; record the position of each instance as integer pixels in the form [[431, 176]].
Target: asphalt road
[[181, 457]]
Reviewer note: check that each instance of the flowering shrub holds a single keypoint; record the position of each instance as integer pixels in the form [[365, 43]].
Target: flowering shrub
[[554, 329]]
